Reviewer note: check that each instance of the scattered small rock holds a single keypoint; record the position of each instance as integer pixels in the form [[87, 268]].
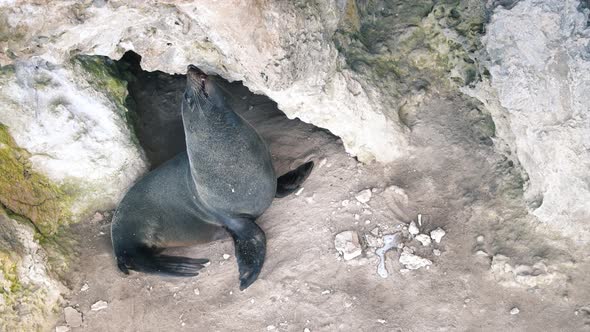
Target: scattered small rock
[[437, 234], [226, 256], [299, 191], [306, 330], [436, 252], [424, 239], [364, 196], [479, 239], [514, 311], [84, 288], [322, 162], [348, 245], [326, 292], [73, 317], [481, 253], [100, 305], [197, 291], [373, 241], [413, 262], [97, 217], [62, 329], [413, 229], [376, 231], [381, 321], [345, 202], [271, 328]]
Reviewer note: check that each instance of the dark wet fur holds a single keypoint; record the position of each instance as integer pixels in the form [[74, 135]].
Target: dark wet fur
[[291, 181], [148, 260]]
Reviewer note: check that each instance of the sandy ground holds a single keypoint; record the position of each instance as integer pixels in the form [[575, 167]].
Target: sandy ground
[[455, 179]]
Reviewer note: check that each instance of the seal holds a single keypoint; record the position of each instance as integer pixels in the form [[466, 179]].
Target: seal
[[221, 184]]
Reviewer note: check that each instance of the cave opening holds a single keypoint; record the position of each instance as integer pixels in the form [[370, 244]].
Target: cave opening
[[154, 102]]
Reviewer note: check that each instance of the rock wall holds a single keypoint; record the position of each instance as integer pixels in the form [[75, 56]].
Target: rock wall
[[539, 60], [28, 291], [281, 49]]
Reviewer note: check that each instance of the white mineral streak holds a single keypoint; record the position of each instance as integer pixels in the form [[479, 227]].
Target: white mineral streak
[[275, 48], [540, 65]]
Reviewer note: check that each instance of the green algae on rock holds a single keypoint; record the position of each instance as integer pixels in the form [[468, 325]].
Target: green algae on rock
[[28, 293], [28, 193]]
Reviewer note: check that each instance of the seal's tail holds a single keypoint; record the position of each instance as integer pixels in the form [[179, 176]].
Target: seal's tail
[[146, 260], [291, 181]]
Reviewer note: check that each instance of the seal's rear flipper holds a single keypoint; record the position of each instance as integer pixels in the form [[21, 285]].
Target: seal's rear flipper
[[144, 259], [291, 181], [250, 246]]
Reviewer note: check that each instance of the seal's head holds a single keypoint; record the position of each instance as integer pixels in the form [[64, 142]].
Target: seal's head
[[201, 89]]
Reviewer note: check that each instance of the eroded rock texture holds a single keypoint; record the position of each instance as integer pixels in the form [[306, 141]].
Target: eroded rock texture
[[539, 62]]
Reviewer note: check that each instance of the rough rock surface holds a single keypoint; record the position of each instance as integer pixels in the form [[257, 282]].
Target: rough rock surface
[[277, 48], [71, 118], [28, 291], [538, 94]]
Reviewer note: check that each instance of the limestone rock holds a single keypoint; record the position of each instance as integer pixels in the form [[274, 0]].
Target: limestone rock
[[348, 245], [424, 239], [71, 119], [538, 96], [413, 262], [25, 279], [364, 196], [437, 234], [413, 229], [73, 317], [99, 305], [279, 49]]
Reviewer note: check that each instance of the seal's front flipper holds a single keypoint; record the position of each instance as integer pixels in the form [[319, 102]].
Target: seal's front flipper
[[146, 260], [250, 246], [291, 181]]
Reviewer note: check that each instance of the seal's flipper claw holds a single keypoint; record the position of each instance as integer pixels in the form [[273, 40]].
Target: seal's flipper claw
[[250, 247], [291, 181]]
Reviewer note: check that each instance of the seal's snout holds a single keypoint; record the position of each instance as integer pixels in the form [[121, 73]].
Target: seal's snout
[[197, 78]]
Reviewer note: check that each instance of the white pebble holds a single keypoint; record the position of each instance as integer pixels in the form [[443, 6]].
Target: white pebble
[[479, 239], [197, 291], [271, 328], [226, 256], [413, 229], [437, 234], [306, 330], [100, 305], [322, 162], [348, 245], [481, 253], [364, 196], [514, 311], [436, 252], [381, 321], [84, 288], [345, 202], [298, 192], [424, 239], [62, 329], [413, 262]]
